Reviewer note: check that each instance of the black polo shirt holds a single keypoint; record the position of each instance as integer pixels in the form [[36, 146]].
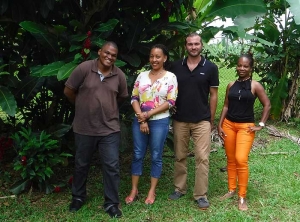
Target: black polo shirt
[[193, 90]]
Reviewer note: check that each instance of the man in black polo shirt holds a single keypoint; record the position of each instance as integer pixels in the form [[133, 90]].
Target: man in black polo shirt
[[196, 104]]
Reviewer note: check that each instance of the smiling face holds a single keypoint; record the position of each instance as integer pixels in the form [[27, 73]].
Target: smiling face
[[193, 45], [107, 55], [243, 68], [157, 59]]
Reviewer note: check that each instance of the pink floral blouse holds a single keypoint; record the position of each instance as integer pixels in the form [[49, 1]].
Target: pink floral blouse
[[151, 96]]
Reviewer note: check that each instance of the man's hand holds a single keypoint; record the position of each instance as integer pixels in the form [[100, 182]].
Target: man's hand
[[173, 110]]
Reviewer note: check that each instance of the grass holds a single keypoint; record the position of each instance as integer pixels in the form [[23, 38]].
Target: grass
[[273, 192]]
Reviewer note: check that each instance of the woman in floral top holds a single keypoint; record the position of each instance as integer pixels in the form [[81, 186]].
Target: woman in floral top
[[154, 93]]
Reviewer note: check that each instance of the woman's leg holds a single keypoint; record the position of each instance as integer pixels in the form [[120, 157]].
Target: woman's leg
[[230, 149], [244, 143], [140, 141], [158, 133]]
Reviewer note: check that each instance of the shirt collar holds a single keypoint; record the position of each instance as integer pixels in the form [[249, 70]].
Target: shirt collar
[[95, 67], [201, 63]]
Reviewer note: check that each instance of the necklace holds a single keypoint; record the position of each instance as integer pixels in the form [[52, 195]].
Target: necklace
[[243, 80], [155, 74]]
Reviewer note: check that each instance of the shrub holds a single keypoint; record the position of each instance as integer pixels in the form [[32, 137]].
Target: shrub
[[37, 153]]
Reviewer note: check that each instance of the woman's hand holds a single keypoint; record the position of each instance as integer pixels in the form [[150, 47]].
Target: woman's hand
[[142, 117], [144, 127], [221, 133], [254, 128]]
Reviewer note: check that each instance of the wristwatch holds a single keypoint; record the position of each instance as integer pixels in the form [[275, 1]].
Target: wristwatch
[[261, 124]]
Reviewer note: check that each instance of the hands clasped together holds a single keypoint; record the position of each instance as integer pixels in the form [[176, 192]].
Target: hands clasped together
[[142, 119]]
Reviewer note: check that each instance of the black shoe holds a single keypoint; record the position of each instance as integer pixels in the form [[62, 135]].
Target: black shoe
[[114, 212], [203, 203], [176, 195], [75, 205], [223, 169]]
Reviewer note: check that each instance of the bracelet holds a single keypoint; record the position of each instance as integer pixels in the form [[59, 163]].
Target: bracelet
[[145, 114], [143, 122]]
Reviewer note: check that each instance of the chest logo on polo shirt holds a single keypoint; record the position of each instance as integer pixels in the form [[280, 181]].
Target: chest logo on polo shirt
[[202, 73]]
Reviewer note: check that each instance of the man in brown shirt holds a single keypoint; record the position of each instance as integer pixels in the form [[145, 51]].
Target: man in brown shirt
[[96, 87]]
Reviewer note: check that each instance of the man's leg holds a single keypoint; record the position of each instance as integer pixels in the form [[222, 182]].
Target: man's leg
[[201, 133], [181, 132], [85, 146], [109, 156]]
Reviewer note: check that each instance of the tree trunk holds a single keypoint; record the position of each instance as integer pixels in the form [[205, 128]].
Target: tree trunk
[[291, 108]]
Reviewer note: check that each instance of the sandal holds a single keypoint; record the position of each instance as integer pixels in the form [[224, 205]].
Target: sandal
[[150, 201], [130, 199]]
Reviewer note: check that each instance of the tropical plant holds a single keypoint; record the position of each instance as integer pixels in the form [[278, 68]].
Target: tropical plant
[[281, 61], [37, 155], [274, 39]]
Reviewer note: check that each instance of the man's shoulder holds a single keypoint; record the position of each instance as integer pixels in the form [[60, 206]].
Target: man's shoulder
[[175, 65], [116, 70], [88, 64], [177, 62], [210, 63]]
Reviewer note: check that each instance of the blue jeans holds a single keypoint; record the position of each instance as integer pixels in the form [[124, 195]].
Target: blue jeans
[[155, 140], [108, 148]]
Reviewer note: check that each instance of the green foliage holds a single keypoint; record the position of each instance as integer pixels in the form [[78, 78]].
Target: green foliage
[[278, 64], [37, 155], [7, 102]]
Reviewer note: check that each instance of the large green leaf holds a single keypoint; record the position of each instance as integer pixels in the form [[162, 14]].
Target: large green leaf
[[19, 186], [3, 72], [234, 8], [65, 71], [29, 87], [7, 101], [295, 9], [60, 130], [203, 7], [52, 68], [133, 59], [279, 94], [33, 27], [120, 63], [178, 25], [36, 70], [239, 10], [108, 26], [262, 41], [245, 21], [78, 38], [41, 34], [98, 42]]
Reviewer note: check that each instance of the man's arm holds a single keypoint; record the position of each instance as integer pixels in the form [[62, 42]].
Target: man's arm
[[70, 94], [213, 101]]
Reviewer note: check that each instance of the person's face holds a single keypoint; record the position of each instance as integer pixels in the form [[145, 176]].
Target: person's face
[[193, 46], [107, 55], [157, 58], [243, 67]]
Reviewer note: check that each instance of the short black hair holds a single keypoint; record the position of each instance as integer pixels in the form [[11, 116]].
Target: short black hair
[[113, 44]]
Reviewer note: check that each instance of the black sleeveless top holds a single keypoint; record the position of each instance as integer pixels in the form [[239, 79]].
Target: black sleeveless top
[[241, 102]]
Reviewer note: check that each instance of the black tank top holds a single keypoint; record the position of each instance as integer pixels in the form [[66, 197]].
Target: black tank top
[[241, 102]]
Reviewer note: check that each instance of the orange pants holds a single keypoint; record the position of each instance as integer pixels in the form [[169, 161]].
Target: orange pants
[[238, 143]]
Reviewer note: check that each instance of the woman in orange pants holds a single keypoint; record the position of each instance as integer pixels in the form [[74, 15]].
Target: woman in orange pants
[[237, 127]]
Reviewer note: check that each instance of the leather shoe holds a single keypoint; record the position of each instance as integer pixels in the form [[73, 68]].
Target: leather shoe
[[75, 205], [114, 212]]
